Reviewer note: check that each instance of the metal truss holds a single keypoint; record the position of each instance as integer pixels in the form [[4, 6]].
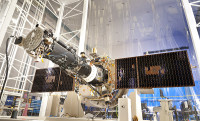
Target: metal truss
[[192, 24], [22, 68], [72, 11]]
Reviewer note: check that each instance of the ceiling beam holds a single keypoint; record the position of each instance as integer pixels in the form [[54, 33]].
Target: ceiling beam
[[67, 2]]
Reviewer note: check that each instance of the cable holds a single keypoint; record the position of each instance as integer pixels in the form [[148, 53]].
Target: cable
[[117, 111], [107, 116], [7, 63]]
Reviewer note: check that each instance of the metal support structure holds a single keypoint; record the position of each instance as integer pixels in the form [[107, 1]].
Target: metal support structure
[[24, 22], [124, 109], [13, 49], [44, 106], [24, 64], [71, 35], [83, 27], [22, 18], [7, 19], [192, 26], [58, 27], [136, 109], [59, 22]]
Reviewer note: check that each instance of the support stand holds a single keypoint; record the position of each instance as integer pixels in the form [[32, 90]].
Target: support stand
[[124, 106]]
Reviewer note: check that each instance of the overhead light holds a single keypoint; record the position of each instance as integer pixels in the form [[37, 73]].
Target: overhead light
[[14, 21], [58, 9]]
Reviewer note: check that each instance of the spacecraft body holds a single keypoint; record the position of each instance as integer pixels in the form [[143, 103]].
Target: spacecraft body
[[95, 77]]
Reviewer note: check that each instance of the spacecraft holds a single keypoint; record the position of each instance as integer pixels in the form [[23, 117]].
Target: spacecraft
[[101, 80], [93, 80]]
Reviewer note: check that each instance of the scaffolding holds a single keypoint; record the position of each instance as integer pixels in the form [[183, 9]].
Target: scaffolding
[[188, 7], [20, 17]]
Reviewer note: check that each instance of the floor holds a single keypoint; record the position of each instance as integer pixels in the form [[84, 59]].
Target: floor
[[50, 119]]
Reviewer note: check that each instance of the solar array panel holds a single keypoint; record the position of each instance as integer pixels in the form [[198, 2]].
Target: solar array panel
[[153, 71], [52, 80]]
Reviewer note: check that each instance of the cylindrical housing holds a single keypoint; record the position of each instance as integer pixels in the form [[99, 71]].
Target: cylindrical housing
[[61, 56]]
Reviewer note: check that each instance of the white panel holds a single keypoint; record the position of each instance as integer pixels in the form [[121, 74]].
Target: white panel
[[136, 104], [124, 106]]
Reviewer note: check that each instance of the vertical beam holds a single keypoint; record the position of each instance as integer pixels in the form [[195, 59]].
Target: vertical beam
[[124, 109], [44, 105], [58, 27], [192, 27], [83, 27], [136, 108], [59, 22], [7, 19]]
